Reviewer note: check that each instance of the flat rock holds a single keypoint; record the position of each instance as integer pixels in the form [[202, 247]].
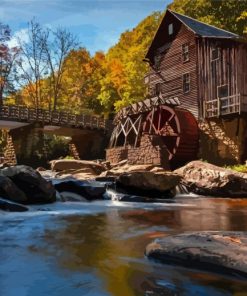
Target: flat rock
[[207, 179], [117, 170], [72, 164], [161, 181], [224, 252]]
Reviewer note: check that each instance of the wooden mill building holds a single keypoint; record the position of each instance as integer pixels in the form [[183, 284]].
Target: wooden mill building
[[196, 105]]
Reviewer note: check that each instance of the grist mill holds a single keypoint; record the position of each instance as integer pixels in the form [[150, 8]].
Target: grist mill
[[196, 106]]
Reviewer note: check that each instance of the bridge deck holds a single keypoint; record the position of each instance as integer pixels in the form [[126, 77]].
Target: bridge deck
[[32, 115]]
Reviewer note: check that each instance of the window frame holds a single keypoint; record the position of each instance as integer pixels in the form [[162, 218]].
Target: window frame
[[157, 89], [218, 54], [157, 61], [170, 29], [184, 82], [185, 53], [220, 86], [146, 79]]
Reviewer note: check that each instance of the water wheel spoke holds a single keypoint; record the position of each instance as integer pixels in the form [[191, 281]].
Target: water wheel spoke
[[170, 153], [171, 117]]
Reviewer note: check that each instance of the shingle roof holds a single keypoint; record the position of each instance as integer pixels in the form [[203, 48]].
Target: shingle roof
[[203, 29]]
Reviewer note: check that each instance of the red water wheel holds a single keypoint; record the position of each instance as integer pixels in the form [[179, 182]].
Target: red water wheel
[[178, 129]]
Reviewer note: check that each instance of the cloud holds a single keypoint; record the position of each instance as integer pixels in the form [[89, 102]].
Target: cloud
[[97, 23], [18, 35]]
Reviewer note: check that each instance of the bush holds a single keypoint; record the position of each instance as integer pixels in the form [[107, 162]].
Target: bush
[[241, 168]]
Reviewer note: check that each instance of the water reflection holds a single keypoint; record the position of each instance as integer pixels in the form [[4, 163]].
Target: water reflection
[[103, 253]]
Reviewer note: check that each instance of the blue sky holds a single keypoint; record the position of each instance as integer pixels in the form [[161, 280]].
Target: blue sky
[[97, 23]]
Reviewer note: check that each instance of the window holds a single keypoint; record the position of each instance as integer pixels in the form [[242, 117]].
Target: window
[[186, 83], [146, 79], [157, 60], [157, 89], [222, 91], [185, 52], [170, 29], [215, 54]]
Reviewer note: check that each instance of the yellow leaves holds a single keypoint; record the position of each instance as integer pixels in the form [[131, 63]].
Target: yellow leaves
[[123, 82]]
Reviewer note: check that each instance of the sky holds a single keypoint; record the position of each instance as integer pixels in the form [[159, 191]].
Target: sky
[[96, 23]]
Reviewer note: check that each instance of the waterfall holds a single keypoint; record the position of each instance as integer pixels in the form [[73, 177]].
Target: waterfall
[[181, 189]]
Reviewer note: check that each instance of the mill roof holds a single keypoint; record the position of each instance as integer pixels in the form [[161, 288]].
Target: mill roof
[[203, 29]]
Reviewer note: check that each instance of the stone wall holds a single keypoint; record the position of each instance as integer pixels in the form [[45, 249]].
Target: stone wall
[[115, 155], [150, 151], [223, 141]]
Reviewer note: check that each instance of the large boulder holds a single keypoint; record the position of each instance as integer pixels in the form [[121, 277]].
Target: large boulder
[[72, 164], [10, 191], [149, 181], [207, 179], [80, 190], [9, 206], [224, 252], [35, 188]]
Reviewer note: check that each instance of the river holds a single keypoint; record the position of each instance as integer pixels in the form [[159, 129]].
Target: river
[[75, 249]]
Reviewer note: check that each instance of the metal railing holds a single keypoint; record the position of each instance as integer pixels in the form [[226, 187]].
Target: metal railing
[[224, 106], [30, 115]]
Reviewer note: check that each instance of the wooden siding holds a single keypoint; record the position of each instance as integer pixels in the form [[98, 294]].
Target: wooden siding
[[171, 69], [229, 69]]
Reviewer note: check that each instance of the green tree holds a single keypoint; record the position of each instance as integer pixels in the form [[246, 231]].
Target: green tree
[[8, 58]]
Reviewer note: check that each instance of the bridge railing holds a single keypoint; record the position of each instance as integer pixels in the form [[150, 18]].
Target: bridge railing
[[26, 114]]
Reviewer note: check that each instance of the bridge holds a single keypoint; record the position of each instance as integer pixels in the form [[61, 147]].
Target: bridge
[[20, 124], [57, 118]]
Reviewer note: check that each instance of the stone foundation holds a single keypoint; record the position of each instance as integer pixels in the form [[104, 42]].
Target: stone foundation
[[223, 141], [150, 151]]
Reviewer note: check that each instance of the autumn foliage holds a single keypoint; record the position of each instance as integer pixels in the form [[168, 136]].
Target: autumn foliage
[[106, 82]]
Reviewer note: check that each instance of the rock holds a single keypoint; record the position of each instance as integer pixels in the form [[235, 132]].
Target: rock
[[207, 179], [72, 164], [40, 169], [85, 189], [11, 207], [109, 179], [224, 252], [71, 196], [124, 168], [81, 174], [10, 191], [161, 181], [35, 187]]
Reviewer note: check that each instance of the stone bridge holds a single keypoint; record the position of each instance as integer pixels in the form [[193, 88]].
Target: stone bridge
[[20, 125]]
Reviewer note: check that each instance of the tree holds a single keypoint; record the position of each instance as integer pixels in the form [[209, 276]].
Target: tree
[[56, 51], [229, 15], [123, 82], [32, 65], [8, 58]]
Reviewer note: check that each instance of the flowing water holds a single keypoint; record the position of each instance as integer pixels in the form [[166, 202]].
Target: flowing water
[[98, 248]]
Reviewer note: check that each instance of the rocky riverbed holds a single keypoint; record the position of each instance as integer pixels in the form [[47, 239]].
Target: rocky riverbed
[[77, 187]]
